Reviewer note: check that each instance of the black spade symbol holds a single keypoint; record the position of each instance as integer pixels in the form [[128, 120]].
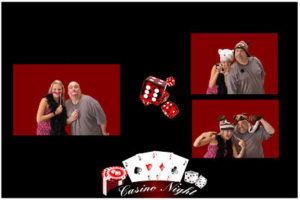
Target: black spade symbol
[[137, 170]]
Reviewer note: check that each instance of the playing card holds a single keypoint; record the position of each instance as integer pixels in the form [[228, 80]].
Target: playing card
[[179, 165], [150, 162], [136, 168], [165, 164]]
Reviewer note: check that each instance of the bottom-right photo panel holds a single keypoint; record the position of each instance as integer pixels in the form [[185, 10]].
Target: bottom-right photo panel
[[235, 129]]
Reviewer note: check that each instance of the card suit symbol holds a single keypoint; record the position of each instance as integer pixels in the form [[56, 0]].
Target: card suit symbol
[[137, 170], [162, 167], [174, 170], [149, 166]]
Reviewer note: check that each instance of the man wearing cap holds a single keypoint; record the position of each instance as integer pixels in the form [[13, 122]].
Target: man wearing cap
[[253, 140], [91, 119], [246, 75]]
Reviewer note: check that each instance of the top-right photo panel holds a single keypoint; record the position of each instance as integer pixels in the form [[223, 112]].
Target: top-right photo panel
[[234, 63]]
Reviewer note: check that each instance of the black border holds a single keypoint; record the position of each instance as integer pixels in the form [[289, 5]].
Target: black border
[[20, 159]]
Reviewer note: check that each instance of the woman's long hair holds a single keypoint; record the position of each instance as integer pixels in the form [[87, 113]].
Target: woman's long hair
[[222, 89], [63, 89], [221, 147]]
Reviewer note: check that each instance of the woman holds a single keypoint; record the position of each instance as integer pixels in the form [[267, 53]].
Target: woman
[[51, 115], [220, 145], [218, 77]]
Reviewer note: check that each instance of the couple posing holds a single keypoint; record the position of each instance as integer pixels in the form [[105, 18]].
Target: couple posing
[[245, 76], [240, 141], [83, 112]]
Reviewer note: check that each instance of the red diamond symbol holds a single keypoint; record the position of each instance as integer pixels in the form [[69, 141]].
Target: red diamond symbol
[[162, 167]]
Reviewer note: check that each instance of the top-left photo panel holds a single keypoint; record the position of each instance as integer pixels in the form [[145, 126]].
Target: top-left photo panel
[[66, 99]]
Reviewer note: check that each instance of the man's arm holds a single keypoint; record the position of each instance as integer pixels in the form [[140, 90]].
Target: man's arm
[[103, 128], [100, 117], [269, 129], [263, 73]]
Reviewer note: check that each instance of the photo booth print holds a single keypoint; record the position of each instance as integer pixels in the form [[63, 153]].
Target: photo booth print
[[154, 92]]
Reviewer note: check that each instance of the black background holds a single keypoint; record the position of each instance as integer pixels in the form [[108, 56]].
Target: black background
[[146, 39]]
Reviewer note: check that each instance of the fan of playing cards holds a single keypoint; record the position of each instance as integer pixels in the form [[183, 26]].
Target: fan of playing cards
[[155, 166]]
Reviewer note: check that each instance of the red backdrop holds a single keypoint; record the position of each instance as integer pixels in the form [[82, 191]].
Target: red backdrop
[[32, 81], [206, 112], [204, 54]]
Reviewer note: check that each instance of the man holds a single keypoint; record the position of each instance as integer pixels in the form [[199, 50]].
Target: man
[[246, 75], [252, 140], [91, 119]]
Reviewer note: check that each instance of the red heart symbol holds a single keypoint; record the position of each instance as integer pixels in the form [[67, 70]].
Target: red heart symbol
[[149, 166]]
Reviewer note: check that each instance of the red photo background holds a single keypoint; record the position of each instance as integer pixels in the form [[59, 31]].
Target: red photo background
[[204, 54], [206, 112], [31, 83]]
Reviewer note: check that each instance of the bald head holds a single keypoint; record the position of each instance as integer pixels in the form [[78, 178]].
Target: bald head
[[73, 83], [74, 89]]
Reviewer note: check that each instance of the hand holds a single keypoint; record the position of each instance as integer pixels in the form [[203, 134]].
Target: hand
[[241, 143], [74, 115], [254, 118], [218, 68], [209, 134], [58, 110], [105, 134], [221, 118]]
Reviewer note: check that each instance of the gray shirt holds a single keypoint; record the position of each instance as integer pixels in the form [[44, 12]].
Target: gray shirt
[[90, 116], [253, 142], [246, 79]]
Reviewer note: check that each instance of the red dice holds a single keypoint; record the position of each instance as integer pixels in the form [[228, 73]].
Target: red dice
[[166, 95], [153, 91], [170, 81], [170, 109]]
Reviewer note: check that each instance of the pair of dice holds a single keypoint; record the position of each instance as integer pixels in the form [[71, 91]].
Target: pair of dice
[[154, 92], [194, 178]]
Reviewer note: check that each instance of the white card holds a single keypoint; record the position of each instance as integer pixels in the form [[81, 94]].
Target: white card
[[165, 164], [136, 168], [151, 165], [179, 165]]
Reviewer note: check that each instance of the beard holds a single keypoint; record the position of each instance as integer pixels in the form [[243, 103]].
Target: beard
[[242, 60]]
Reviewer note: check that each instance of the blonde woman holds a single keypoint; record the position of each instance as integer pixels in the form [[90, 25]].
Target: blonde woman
[[51, 115], [218, 77]]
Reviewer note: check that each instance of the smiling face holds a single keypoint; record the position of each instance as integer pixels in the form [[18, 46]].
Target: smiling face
[[242, 126], [74, 89], [227, 134], [56, 90], [241, 56]]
